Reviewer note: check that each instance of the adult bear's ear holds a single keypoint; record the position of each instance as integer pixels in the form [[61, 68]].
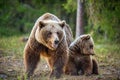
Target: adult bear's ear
[[41, 24], [62, 23], [85, 37]]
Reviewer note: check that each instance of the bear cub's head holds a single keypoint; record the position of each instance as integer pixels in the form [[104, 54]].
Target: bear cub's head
[[87, 45], [50, 33]]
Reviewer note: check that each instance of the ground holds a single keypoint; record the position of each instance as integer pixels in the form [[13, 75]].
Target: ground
[[12, 67]]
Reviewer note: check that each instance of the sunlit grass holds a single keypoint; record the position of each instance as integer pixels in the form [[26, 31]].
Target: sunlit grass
[[12, 45], [108, 53], [107, 48]]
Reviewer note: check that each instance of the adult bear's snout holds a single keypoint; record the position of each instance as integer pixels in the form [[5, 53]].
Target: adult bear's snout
[[56, 41]]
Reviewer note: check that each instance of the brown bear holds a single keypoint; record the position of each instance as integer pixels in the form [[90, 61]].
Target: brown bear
[[49, 38], [80, 58]]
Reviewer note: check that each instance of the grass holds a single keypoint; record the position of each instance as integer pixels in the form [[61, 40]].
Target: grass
[[108, 55], [104, 50], [12, 45]]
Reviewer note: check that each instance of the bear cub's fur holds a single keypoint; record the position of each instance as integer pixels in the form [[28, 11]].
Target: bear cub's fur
[[80, 60], [49, 38]]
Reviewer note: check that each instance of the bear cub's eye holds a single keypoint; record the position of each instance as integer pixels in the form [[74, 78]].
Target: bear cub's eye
[[91, 46]]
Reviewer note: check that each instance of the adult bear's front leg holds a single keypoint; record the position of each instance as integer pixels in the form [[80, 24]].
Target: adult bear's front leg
[[30, 61], [56, 64], [58, 59]]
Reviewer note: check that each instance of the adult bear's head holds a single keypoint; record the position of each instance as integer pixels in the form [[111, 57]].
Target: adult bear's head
[[50, 33]]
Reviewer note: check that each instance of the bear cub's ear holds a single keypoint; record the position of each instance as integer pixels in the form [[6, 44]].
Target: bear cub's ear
[[62, 23], [41, 24], [86, 37]]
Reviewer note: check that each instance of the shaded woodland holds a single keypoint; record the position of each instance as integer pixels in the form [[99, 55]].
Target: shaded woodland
[[101, 18]]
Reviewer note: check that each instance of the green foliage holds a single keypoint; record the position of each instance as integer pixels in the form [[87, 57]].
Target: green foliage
[[105, 15], [6, 31], [102, 20], [20, 15], [14, 15], [69, 4]]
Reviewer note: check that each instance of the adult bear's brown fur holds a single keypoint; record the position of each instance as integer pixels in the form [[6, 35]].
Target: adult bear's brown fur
[[50, 38], [80, 57]]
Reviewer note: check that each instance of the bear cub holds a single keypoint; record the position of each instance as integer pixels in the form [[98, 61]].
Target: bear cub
[[80, 60]]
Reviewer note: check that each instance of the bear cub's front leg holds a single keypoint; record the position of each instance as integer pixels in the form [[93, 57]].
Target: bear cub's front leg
[[88, 68]]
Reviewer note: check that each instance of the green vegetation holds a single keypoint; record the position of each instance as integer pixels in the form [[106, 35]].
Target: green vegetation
[[102, 17], [108, 52], [20, 15], [12, 46], [105, 16]]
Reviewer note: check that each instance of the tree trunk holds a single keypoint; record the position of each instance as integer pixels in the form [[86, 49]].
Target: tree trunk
[[80, 18]]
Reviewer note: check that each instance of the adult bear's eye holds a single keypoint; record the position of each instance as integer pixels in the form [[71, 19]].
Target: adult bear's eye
[[58, 33], [49, 34]]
